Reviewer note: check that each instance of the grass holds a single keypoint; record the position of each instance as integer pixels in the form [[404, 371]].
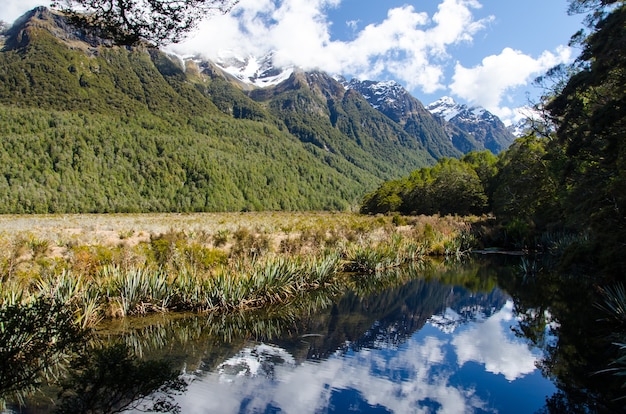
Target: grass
[[109, 266]]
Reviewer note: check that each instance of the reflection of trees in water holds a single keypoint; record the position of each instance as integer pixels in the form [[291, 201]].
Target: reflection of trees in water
[[390, 316], [385, 307], [559, 314], [40, 343], [36, 340]]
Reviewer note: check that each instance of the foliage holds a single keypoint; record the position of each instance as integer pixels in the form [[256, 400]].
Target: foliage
[[450, 187], [526, 187], [111, 380], [572, 180], [590, 113], [130, 21], [34, 338], [110, 129]]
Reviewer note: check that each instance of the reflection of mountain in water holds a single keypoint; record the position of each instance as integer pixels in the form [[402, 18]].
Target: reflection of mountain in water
[[388, 318], [464, 309], [322, 324], [379, 321], [258, 360]]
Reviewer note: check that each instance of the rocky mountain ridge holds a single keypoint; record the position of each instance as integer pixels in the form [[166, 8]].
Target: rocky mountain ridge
[[463, 129], [479, 123], [88, 126]]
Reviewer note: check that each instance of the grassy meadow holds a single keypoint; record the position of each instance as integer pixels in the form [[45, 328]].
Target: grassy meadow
[[108, 266]]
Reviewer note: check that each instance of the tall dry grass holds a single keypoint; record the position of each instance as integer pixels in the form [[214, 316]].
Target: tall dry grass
[[105, 266]]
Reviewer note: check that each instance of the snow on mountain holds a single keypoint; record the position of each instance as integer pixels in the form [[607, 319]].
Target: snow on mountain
[[520, 128], [378, 94], [257, 71], [445, 107], [451, 319], [482, 125], [258, 360], [449, 109]]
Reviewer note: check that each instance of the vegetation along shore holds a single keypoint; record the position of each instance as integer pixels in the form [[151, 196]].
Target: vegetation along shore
[[112, 266]]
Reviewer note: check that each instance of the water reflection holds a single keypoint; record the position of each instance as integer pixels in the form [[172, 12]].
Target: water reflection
[[434, 338], [430, 369], [417, 346]]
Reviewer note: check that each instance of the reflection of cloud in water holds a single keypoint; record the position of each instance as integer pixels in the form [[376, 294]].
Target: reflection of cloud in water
[[400, 379], [487, 343], [399, 384]]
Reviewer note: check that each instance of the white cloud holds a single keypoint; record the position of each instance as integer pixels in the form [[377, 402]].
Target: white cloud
[[488, 83], [406, 45], [307, 388], [12, 9], [488, 344]]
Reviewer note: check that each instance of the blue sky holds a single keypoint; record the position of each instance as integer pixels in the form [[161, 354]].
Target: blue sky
[[481, 52]]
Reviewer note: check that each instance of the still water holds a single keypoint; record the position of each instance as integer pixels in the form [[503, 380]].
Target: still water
[[425, 341]]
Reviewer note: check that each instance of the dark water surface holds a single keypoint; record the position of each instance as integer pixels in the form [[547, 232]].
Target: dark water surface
[[436, 340], [456, 337]]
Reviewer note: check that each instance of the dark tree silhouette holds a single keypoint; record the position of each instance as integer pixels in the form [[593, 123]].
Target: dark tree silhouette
[[129, 22]]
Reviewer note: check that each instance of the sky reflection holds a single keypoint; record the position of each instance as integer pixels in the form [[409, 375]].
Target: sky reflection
[[423, 374]]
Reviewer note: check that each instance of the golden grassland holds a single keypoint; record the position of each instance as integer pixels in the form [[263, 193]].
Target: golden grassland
[[105, 266]]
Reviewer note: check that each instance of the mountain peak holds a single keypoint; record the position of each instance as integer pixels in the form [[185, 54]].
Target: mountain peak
[[58, 25], [379, 94], [483, 126], [252, 70], [446, 107]]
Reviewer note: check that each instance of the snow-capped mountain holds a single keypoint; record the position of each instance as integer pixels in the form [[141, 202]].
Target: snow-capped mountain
[[393, 100], [389, 94], [446, 108], [256, 71], [519, 128], [466, 309], [257, 360], [451, 111], [462, 130], [484, 127]]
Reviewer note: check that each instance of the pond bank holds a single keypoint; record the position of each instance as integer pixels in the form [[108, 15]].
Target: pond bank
[[113, 266]]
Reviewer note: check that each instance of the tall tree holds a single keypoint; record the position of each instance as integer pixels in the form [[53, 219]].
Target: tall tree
[[128, 22], [590, 113]]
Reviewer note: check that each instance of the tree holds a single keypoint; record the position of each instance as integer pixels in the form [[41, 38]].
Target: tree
[[525, 197], [112, 379], [128, 22], [34, 339], [590, 113]]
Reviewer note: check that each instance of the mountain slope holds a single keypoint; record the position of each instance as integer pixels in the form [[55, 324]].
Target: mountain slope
[[319, 111], [484, 128], [91, 128], [88, 127], [395, 102], [436, 134]]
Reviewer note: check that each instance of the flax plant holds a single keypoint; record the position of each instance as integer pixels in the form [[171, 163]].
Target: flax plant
[[209, 262]]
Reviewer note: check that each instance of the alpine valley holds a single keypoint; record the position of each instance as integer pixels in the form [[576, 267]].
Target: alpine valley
[[86, 126]]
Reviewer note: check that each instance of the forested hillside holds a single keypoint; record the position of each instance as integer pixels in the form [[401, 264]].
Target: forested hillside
[[569, 180], [90, 127]]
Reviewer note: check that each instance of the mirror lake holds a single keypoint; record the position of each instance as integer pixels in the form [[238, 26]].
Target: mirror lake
[[434, 343], [437, 337]]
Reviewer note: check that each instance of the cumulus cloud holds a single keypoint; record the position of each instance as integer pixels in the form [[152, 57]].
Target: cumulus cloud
[[415, 373], [488, 344], [407, 45], [488, 83]]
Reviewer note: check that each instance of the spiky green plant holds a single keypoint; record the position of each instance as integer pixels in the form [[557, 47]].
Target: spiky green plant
[[613, 304], [367, 259]]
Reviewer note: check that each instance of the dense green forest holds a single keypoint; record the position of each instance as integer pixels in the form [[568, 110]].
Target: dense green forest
[[90, 127], [72, 162], [570, 178]]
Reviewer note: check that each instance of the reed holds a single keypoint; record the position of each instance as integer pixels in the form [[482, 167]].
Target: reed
[[217, 262]]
